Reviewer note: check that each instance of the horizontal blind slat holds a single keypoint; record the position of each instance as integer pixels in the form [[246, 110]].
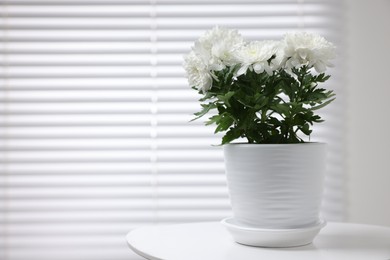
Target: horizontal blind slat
[[98, 108], [173, 143], [31, 204], [173, 10], [137, 36], [162, 119], [111, 156], [177, 47], [161, 2], [21, 23]]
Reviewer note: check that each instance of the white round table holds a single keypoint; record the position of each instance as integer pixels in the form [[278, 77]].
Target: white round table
[[211, 241]]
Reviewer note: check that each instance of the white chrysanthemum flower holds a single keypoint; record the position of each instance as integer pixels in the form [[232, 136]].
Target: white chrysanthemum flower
[[197, 71], [255, 56], [308, 49], [217, 46]]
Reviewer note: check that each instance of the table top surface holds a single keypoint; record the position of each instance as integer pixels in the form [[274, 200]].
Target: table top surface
[[211, 241]]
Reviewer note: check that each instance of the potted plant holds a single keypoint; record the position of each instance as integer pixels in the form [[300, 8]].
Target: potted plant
[[265, 94]]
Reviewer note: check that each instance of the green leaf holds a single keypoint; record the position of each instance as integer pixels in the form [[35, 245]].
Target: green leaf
[[224, 123], [231, 135], [260, 101], [213, 119], [299, 119], [281, 109], [221, 109], [316, 96], [245, 98], [275, 121], [323, 104], [316, 119], [306, 129], [225, 98], [321, 78], [205, 109]]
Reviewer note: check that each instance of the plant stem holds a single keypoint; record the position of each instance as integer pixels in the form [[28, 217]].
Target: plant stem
[[263, 115]]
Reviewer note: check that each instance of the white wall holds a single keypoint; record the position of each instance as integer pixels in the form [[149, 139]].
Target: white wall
[[368, 96]]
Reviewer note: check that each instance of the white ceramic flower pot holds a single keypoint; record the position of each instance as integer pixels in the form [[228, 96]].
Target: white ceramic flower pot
[[275, 186]]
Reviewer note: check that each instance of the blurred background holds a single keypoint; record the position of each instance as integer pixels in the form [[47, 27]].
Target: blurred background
[[367, 89], [94, 131]]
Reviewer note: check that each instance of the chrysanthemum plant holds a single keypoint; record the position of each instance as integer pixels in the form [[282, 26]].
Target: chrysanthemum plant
[[264, 91]]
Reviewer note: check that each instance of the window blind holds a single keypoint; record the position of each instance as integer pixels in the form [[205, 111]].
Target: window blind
[[94, 131]]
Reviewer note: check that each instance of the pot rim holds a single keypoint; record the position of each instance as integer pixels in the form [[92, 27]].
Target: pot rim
[[242, 144]]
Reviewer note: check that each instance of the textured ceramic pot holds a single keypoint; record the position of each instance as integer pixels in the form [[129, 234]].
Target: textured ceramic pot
[[275, 186]]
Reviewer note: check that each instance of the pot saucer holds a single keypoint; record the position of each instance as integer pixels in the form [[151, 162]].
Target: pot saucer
[[262, 237]]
